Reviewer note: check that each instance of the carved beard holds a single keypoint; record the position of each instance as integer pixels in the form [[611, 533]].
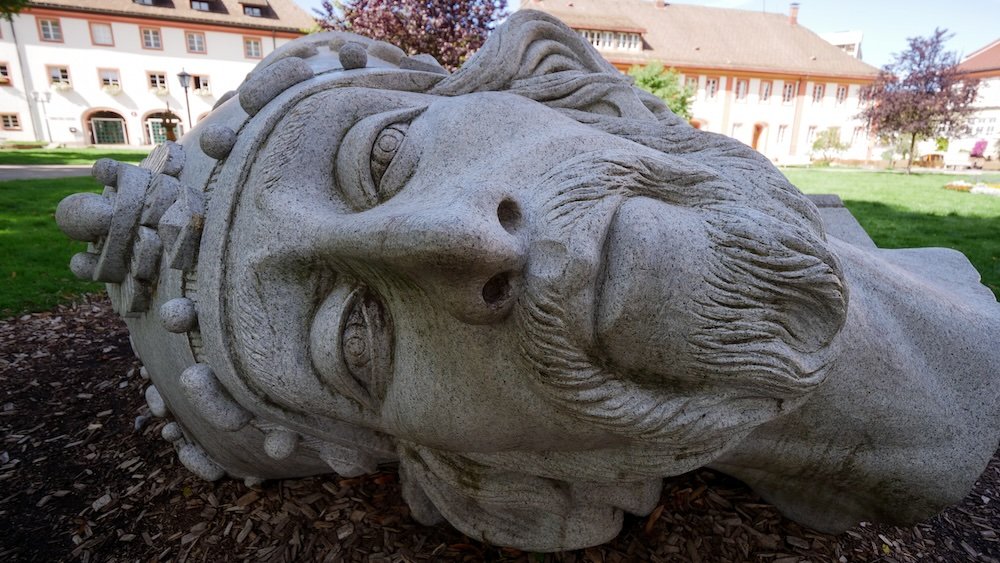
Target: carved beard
[[765, 277], [668, 426]]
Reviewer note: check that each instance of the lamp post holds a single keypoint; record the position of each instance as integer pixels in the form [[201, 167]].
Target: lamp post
[[41, 98], [185, 79]]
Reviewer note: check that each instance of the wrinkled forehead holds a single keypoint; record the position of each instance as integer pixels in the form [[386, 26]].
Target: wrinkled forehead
[[298, 160]]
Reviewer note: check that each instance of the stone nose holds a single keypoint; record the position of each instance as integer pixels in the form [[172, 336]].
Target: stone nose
[[469, 257]]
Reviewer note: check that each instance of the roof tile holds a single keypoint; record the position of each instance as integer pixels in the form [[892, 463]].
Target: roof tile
[[287, 15], [699, 36]]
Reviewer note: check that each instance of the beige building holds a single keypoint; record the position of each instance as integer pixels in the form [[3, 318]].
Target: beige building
[[80, 72], [984, 124], [761, 77]]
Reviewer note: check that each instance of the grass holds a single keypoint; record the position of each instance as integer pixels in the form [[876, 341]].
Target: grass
[[906, 211], [68, 156], [34, 253], [898, 211]]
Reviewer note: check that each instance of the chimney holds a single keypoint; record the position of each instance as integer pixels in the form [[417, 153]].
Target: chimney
[[793, 13]]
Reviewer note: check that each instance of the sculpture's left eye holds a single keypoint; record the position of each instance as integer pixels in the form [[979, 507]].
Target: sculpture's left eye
[[375, 160], [383, 150]]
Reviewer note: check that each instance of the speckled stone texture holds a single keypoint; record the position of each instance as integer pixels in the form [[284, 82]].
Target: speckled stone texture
[[537, 291]]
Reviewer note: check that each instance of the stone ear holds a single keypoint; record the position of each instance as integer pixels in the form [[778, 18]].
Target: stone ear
[[537, 56]]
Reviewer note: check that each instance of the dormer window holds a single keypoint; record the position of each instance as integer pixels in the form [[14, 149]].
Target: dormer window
[[613, 40], [201, 6], [144, 2], [256, 8]]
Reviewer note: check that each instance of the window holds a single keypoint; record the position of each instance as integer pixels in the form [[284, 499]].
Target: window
[[841, 93], [711, 88], [788, 93], [58, 75], [143, 2], [50, 30], [818, 91], [109, 77], [200, 84], [10, 122], [4, 74], [691, 82], [200, 6], [811, 134], [151, 38], [157, 80], [100, 34], [741, 89], [765, 90], [782, 130], [253, 11], [195, 41], [619, 41], [252, 48]]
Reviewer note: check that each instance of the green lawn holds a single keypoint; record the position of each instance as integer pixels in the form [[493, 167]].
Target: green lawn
[[901, 211], [34, 253], [897, 210], [68, 156]]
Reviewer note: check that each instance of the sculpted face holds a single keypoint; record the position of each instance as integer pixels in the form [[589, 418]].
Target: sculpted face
[[530, 285], [454, 248]]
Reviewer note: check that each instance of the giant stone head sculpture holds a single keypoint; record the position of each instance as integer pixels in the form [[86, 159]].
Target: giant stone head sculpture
[[536, 290]]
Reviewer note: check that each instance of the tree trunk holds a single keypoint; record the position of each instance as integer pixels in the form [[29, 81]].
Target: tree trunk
[[913, 141]]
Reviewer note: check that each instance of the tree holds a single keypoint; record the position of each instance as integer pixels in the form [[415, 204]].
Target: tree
[[828, 144], [919, 95], [10, 7], [898, 146], [665, 85], [449, 31]]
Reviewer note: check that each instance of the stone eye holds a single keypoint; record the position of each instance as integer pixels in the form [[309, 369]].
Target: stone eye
[[356, 343], [384, 149]]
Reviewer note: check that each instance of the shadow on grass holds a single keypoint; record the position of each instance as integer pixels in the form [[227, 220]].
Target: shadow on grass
[[892, 226]]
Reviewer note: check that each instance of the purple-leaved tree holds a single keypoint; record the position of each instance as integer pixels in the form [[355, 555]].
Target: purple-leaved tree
[[449, 30], [920, 95]]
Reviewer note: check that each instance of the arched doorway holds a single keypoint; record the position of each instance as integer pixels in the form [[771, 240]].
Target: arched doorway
[[106, 127], [155, 125], [758, 129]]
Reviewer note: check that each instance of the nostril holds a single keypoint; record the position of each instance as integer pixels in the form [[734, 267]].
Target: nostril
[[509, 215], [497, 289]]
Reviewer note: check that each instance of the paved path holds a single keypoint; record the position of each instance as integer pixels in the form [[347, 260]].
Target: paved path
[[42, 171]]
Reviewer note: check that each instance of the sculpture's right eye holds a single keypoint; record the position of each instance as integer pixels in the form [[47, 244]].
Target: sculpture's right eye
[[365, 343], [351, 344]]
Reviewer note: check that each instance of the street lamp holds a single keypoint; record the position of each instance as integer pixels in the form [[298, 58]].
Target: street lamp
[[185, 79], [41, 98]]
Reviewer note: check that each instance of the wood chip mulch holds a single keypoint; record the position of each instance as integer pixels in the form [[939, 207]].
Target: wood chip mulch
[[84, 477]]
